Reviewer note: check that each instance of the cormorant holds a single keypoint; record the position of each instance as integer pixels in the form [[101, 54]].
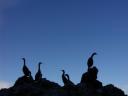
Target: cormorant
[[38, 75], [90, 60], [69, 81], [64, 79], [26, 71]]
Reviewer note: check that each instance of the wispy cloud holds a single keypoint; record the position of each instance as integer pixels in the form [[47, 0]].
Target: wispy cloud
[[4, 84], [124, 87]]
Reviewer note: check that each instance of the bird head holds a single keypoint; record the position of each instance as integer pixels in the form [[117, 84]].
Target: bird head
[[40, 63], [63, 71], [93, 54], [23, 59]]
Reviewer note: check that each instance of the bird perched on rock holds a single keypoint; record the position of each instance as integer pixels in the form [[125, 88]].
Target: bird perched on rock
[[25, 69], [38, 75], [90, 60], [64, 79]]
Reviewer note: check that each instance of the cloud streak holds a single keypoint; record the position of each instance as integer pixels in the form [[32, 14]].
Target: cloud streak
[[4, 84], [125, 88]]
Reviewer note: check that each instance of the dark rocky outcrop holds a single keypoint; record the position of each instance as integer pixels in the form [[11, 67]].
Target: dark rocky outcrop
[[25, 86], [89, 86]]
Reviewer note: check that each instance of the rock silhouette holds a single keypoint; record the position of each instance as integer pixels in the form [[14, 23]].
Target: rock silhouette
[[88, 86]]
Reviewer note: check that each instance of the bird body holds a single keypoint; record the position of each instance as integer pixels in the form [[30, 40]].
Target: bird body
[[25, 69], [38, 75], [90, 60], [69, 81]]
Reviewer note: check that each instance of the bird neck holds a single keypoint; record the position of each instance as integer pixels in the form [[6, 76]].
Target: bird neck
[[92, 55], [63, 73], [39, 67], [24, 62]]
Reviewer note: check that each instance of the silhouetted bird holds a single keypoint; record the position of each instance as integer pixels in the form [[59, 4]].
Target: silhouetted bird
[[38, 75], [90, 60], [26, 71], [69, 81], [64, 79]]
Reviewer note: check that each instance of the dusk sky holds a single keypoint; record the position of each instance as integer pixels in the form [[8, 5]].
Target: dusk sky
[[63, 34]]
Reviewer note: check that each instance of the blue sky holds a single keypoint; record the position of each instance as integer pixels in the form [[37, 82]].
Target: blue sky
[[63, 34]]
